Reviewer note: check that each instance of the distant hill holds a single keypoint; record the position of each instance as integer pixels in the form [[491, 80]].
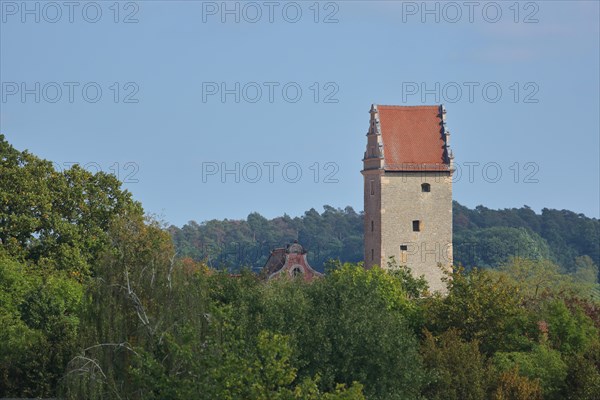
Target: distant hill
[[559, 235], [482, 237], [334, 233]]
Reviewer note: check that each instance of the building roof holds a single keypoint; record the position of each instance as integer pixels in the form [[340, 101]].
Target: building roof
[[275, 262], [413, 137]]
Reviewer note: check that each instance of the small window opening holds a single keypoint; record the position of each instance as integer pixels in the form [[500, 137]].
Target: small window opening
[[372, 188], [403, 254], [296, 272], [372, 254], [372, 226], [416, 226], [425, 187]]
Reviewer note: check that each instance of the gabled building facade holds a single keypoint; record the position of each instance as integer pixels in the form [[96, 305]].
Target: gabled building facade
[[407, 170], [290, 262]]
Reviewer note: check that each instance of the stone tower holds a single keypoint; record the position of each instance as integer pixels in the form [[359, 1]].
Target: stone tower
[[407, 170]]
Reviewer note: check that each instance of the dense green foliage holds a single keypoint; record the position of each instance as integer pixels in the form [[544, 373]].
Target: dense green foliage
[[53, 228], [95, 304]]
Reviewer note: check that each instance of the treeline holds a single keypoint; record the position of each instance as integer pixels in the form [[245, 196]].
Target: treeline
[[96, 304], [482, 237], [332, 234], [486, 238]]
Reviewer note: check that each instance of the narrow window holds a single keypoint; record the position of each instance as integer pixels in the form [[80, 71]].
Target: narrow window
[[372, 226], [372, 188], [416, 226], [425, 187], [296, 272], [372, 254], [403, 254]]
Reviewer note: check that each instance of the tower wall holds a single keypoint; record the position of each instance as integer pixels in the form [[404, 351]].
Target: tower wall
[[372, 220], [404, 201]]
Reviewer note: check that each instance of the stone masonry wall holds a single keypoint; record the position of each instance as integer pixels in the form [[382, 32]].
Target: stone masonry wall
[[402, 202]]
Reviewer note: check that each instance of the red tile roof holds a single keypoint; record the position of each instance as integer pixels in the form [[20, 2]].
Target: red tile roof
[[412, 137]]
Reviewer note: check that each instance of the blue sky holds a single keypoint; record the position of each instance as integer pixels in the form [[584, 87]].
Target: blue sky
[[520, 84]]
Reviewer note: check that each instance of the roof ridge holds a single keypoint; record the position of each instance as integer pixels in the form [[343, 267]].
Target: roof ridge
[[399, 106]]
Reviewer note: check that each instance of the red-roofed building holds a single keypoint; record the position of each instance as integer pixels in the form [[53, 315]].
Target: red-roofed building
[[407, 169]]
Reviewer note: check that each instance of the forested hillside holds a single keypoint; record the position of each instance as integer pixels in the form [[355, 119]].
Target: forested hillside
[[332, 234], [96, 304], [560, 235], [482, 237]]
